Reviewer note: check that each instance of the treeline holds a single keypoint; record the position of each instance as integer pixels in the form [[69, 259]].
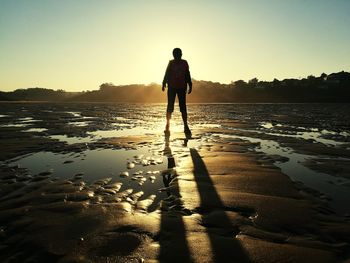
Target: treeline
[[37, 94], [334, 87]]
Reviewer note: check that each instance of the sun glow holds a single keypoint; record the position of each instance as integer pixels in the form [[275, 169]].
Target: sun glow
[[77, 45]]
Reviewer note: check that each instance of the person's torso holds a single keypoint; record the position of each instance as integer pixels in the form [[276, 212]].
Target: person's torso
[[177, 73]]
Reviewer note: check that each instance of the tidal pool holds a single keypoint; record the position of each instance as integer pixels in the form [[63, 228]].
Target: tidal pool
[[71, 140], [306, 134], [36, 130], [143, 166]]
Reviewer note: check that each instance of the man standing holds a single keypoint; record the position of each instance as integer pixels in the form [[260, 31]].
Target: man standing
[[177, 76]]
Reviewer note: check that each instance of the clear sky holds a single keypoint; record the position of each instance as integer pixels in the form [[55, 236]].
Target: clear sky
[[78, 44]]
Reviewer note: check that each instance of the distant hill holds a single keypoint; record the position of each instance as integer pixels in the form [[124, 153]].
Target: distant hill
[[37, 94], [334, 87], [126, 93]]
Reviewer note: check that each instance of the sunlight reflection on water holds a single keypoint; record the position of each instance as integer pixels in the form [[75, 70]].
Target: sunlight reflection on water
[[72, 139], [36, 130], [102, 163]]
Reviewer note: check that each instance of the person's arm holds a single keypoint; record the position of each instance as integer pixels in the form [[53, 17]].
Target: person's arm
[[188, 80], [166, 77]]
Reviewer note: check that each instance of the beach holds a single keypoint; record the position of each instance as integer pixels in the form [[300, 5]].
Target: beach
[[98, 182]]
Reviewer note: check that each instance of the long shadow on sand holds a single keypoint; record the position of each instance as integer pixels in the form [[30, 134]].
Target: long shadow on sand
[[224, 246], [173, 236]]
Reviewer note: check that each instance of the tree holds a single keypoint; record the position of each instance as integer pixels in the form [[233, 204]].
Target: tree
[[323, 76], [106, 85], [253, 82], [240, 83]]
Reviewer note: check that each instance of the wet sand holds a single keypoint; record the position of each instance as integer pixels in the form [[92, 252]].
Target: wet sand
[[214, 198]]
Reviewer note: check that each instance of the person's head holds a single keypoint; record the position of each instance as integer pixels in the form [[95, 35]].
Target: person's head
[[177, 53]]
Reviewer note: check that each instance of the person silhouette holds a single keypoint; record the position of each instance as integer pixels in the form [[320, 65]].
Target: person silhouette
[[177, 77]]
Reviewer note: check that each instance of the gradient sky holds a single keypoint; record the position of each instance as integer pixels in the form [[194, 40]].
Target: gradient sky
[[78, 44]]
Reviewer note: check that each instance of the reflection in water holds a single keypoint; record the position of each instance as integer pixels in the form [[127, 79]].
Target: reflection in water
[[126, 130], [291, 133], [120, 132], [74, 114], [175, 220], [71, 140], [266, 125], [185, 142], [10, 125], [36, 130], [167, 176], [27, 120], [320, 136], [99, 164], [79, 123]]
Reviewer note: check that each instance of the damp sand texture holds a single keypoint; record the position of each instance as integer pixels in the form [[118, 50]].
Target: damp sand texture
[[99, 183]]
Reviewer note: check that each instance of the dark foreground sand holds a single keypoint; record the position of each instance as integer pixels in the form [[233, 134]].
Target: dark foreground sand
[[225, 203]]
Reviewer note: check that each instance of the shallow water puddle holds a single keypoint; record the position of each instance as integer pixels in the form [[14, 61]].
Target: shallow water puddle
[[36, 130], [118, 118], [28, 120], [139, 170], [71, 140], [10, 125], [317, 136], [267, 125], [122, 125], [314, 134], [156, 128], [120, 133], [311, 133], [20, 122], [74, 113], [79, 123], [78, 115], [326, 184]]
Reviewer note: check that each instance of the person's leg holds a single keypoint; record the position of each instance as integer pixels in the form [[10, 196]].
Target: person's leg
[[182, 103], [170, 107]]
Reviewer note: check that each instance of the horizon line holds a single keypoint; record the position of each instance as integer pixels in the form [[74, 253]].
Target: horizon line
[[156, 83]]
